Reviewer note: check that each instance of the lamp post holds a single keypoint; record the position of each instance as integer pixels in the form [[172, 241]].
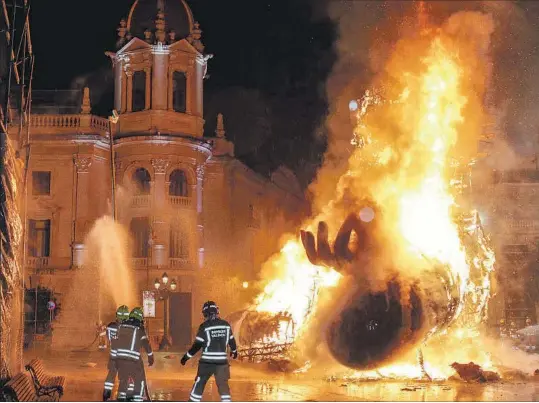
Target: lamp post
[[164, 289], [112, 120]]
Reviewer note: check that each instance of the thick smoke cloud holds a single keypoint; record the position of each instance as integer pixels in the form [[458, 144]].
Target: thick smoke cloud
[[369, 29]]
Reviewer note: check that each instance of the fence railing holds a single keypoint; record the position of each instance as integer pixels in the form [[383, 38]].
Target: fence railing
[[141, 201], [138, 262], [179, 262], [38, 262], [80, 122], [180, 201]]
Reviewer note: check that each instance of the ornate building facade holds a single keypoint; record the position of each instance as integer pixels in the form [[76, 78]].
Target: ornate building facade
[[192, 209], [508, 199]]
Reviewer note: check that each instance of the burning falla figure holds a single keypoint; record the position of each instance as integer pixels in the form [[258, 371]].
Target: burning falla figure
[[371, 326], [377, 324]]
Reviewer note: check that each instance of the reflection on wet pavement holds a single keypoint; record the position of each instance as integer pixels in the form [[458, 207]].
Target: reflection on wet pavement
[[85, 383], [250, 390]]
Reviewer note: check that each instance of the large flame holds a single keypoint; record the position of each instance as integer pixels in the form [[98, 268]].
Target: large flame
[[409, 159]]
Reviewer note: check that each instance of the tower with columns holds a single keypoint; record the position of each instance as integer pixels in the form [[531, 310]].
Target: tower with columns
[[191, 208]]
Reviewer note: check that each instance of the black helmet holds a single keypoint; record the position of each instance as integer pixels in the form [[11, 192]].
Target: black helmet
[[210, 308]]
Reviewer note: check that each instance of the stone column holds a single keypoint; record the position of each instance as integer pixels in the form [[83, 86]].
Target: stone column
[[200, 216], [189, 93], [118, 85], [160, 208], [160, 79], [148, 89], [129, 91], [170, 89], [82, 164]]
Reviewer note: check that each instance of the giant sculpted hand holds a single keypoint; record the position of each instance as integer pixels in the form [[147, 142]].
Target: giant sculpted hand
[[320, 254], [372, 325]]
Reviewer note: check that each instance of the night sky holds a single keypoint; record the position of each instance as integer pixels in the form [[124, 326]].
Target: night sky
[[267, 76], [273, 59]]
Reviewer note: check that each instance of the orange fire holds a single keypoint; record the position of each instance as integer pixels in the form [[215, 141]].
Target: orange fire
[[408, 154]]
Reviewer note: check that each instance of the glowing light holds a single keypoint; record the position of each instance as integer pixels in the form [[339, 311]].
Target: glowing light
[[353, 105], [366, 214], [245, 284]]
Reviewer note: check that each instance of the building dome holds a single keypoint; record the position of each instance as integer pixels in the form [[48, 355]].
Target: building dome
[[143, 13]]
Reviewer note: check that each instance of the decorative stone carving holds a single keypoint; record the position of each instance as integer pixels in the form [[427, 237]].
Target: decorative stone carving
[[195, 36], [148, 36], [160, 165], [122, 32], [118, 165], [220, 130], [86, 108], [83, 164], [160, 34], [200, 172]]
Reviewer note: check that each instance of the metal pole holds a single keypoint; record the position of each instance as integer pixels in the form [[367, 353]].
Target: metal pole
[[165, 327], [112, 172], [35, 314], [10, 61]]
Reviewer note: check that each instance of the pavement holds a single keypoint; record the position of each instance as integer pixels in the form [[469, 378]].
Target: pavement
[[169, 381]]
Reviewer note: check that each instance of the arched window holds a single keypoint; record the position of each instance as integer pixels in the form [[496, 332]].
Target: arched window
[[179, 241], [139, 91], [141, 180], [140, 231], [179, 91], [178, 184]]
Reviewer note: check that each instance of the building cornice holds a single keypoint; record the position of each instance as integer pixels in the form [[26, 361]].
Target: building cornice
[[145, 139]]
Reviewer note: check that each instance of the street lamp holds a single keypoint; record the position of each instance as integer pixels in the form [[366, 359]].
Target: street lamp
[[163, 292], [112, 120]]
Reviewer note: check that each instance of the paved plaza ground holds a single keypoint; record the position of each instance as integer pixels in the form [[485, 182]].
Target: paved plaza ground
[[86, 372]]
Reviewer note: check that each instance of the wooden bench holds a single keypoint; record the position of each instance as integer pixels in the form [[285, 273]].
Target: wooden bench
[[50, 386], [20, 388]]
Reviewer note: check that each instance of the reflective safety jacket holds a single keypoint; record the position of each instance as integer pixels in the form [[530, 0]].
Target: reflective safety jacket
[[130, 339], [214, 336], [112, 335], [112, 329]]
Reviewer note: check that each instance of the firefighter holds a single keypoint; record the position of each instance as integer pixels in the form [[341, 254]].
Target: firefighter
[[215, 335], [131, 338], [122, 314]]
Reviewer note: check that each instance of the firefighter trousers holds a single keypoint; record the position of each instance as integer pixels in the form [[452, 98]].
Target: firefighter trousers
[[134, 370], [111, 376], [221, 372]]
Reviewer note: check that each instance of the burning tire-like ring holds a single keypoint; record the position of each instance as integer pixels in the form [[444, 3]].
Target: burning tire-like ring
[[372, 327]]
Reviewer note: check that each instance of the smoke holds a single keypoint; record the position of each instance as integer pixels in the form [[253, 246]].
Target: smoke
[[516, 53]]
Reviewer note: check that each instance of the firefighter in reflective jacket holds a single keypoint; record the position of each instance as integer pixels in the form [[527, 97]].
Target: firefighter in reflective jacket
[[131, 338], [122, 314], [215, 335]]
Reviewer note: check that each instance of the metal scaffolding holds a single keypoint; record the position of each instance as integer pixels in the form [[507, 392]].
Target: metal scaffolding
[[16, 70]]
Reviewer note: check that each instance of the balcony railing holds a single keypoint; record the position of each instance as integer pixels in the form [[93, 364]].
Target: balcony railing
[[38, 262], [180, 201], [70, 122], [179, 262], [138, 262], [140, 201]]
